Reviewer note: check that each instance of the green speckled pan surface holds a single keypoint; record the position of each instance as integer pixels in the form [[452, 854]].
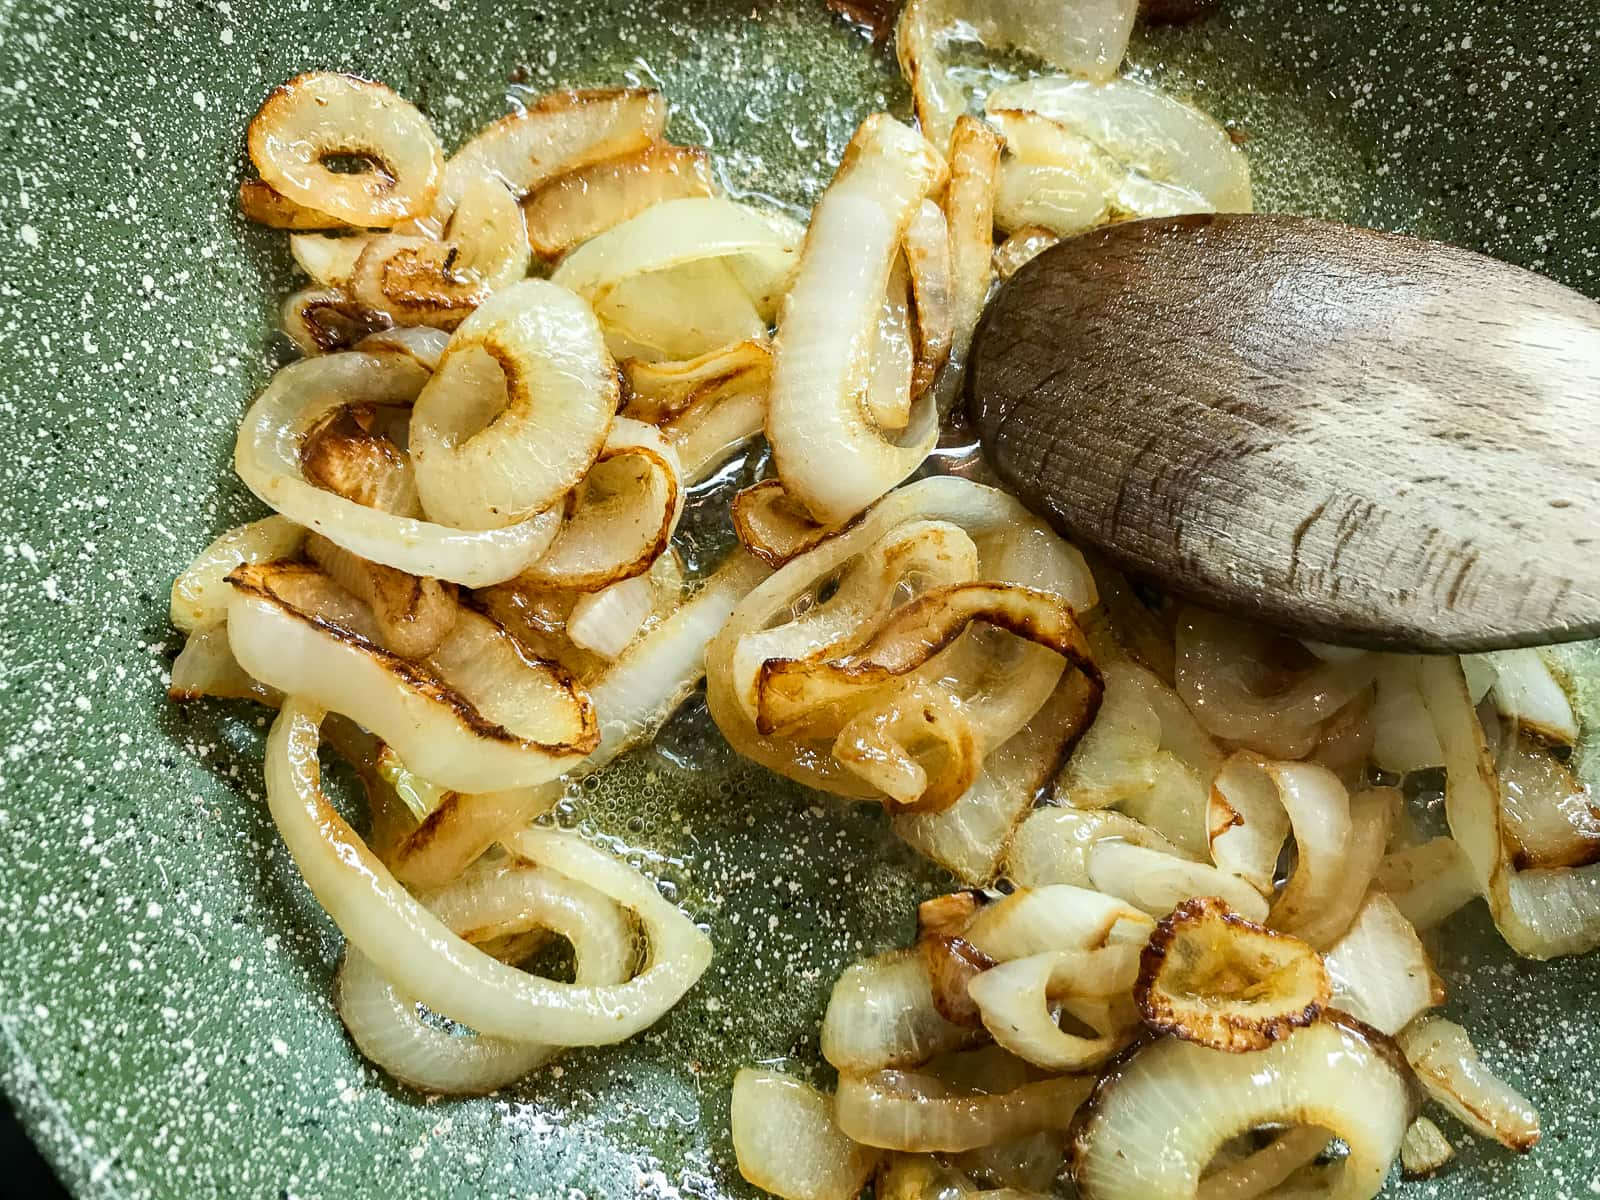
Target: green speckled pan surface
[[165, 1026]]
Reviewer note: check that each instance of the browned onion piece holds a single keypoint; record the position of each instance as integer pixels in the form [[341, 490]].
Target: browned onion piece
[[1449, 1070], [559, 132], [948, 915], [261, 204], [969, 213], [1211, 977], [790, 690], [341, 456], [1372, 818], [1158, 1118], [574, 207], [773, 525], [630, 502], [324, 320], [475, 715], [420, 343], [1551, 819], [929, 261], [1022, 247], [412, 615], [1429, 882], [321, 116], [206, 667], [660, 391], [329, 260], [916, 747], [1246, 823], [899, 1110], [415, 281], [882, 1013], [952, 965]]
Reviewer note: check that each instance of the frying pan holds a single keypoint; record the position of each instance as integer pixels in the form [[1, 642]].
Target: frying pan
[[165, 1022]]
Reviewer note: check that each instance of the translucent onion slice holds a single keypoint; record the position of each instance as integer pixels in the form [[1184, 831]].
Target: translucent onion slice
[[679, 312], [761, 248], [1052, 844], [1211, 977], [262, 204], [773, 525], [1014, 998], [412, 615], [915, 748], [1052, 177], [572, 208], [1158, 1118], [892, 355], [927, 1177], [423, 344], [416, 281], [1372, 819], [969, 213], [953, 963], [386, 1026], [628, 508], [1541, 913], [347, 453], [516, 412], [898, 1110], [423, 957], [786, 1142], [1246, 822], [200, 595], [1158, 882], [1230, 675], [325, 320], [1403, 739], [321, 116], [206, 667], [829, 452], [1380, 971], [1450, 1071], [657, 392], [1428, 882], [605, 621], [928, 257], [559, 132], [882, 1014], [1057, 917], [1425, 1150], [1173, 154], [330, 261], [1088, 38], [474, 716], [267, 457], [1020, 248], [489, 233], [1550, 818], [1262, 1172], [1527, 693]]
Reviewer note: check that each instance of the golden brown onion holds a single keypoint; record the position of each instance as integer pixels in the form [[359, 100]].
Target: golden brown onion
[[583, 203], [261, 204]]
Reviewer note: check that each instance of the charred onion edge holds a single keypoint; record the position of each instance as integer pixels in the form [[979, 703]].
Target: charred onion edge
[[745, 504], [953, 963], [252, 579], [1239, 1035], [262, 203]]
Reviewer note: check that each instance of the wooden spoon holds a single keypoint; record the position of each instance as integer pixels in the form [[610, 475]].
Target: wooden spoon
[[1361, 438]]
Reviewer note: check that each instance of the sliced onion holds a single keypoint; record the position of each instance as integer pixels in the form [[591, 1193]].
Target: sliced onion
[[347, 454], [1087, 38], [326, 320], [605, 621], [679, 312], [1318, 808], [1404, 740], [475, 716], [330, 261], [761, 248], [570, 209], [1210, 977], [1058, 917], [1527, 693], [1157, 1119], [422, 957], [265, 206], [557, 133], [969, 213], [517, 410], [829, 452], [1052, 844], [898, 1110], [1425, 1150], [1262, 1172], [1158, 882], [1380, 972], [929, 261], [882, 1014], [200, 595], [927, 1177], [970, 837], [1174, 158], [1541, 912], [1052, 178], [206, 667], [1428, 882], [1247, 823], [1020, 248], [772, 525], [460, 828], [386, 1027], [1450, 1071], [1014, 1000], [915, 748], [267, 458], [891, 354], [412, 615], [657, 392], [1372, 820], [489, 233], [416, 281], [1550, 818], [422, 343], [786, 1141], [630, 503], [324, 115], [953, 963], [1228, 676]]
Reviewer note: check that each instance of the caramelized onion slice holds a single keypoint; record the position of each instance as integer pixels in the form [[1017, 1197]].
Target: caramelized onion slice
[[559, 132], [1157, 1118], [572, 208], [1450, 1071], [660, 391], [831, 455], [422, 344], [260, 203], [206, 667], [1211, 977], [325, 320], [474, 716], [516, 412], [898, 1110], [773, 525], [200, 595], [786, 1142], [1527, 693], [268, 459], [1379, 969], [929, 263], [330, 261], [348, 454], [1056, 917], [414, 281], [1021, 247], [412, 615], [1549, 816], [629, 505], [320, 116], [969, 213]]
